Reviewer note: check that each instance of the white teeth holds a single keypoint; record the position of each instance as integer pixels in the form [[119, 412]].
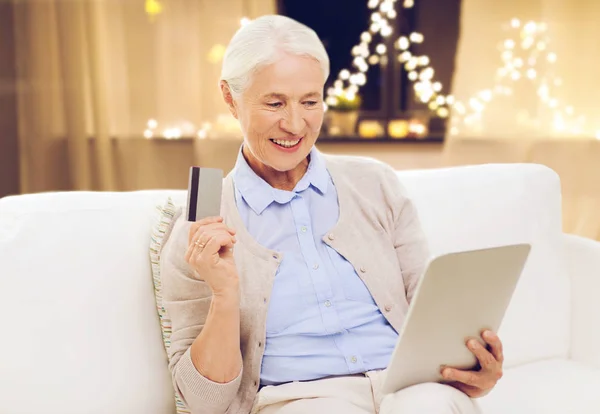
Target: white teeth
[[287, 144]]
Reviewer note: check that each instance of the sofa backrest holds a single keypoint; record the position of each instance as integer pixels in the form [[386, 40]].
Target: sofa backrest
[[490, 205], [77, 293]]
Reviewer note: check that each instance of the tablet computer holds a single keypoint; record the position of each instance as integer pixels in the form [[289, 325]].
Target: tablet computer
[[459, 296]]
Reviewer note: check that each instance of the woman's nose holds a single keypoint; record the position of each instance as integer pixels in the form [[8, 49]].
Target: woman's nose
[[293, 122]]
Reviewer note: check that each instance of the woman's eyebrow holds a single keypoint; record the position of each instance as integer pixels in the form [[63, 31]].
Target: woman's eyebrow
[[275, 95], [312, 95], [284, 97]]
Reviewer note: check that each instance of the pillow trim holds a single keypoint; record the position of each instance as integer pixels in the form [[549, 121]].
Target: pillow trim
[[167, 215]]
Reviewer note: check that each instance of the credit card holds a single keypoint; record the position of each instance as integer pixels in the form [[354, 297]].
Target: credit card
[[204, 193]]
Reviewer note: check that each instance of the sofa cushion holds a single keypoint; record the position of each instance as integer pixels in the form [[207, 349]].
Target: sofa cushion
[[546, 387], [79, 317], [489, 205]]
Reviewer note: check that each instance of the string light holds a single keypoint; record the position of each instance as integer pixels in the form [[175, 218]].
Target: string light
[[204, 130], [151, 125], [420, 73], [531, 40], [349, 81], [153, 8], [172, 133], [524, 57]]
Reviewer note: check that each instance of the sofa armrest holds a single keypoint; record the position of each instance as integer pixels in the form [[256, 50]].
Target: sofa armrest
[[583, 260]]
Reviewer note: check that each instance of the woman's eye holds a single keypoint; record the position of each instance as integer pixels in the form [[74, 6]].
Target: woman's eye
[[274, 104], [311, 103]]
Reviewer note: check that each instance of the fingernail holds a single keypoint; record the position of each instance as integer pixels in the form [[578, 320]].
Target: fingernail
[[472, 344], [446, 373]]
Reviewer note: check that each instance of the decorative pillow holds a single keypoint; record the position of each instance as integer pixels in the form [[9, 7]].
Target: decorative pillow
[[165, 214]]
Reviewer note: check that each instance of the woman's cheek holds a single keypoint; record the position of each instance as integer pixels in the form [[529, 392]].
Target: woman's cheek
[[263, 121], [315, 120]]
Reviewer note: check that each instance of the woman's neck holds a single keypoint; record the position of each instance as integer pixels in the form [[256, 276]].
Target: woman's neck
[[282, 180]]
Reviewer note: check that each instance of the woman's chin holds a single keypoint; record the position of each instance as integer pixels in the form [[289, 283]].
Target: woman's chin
[[287, 163]]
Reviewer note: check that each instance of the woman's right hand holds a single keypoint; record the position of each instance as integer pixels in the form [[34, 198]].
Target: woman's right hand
[[210, 254]]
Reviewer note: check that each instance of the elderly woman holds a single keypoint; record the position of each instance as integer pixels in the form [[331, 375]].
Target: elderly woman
[[291, 302]]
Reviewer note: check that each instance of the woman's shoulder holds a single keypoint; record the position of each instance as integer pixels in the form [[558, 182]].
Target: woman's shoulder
[[354, 161], [361, 170]]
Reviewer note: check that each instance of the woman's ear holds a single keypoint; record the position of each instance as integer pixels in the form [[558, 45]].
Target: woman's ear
[[228, 98]]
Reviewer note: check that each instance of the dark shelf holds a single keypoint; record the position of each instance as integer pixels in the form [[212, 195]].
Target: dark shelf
[[352, 139]]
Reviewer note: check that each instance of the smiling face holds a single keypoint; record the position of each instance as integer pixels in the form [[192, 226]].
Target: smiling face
[[280, 113]]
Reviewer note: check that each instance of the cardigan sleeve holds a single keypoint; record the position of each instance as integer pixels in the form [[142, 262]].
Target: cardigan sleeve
[[187, 301], [410, 242]]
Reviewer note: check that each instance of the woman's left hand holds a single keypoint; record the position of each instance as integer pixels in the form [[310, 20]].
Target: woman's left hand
[[478, 383]]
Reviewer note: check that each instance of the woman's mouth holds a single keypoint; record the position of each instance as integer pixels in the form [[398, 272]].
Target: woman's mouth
[[286, 143]]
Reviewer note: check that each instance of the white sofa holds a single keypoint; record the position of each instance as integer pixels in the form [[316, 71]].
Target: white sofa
[[80, 332]]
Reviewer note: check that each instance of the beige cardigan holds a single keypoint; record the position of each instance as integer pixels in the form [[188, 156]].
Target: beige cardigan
[[378, 232]]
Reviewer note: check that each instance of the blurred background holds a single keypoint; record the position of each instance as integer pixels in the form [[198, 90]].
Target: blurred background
[[120, 95]]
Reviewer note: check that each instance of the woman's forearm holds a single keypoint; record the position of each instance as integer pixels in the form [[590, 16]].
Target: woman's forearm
[[216, 351]]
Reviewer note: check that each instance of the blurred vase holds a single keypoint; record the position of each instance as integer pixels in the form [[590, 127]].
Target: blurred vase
[[342, 122]]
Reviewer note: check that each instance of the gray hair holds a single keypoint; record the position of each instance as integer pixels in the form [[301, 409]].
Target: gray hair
[[261, 41]]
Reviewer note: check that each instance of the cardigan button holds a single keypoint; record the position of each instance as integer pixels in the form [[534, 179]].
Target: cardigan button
[[388, 308], [362, 269], [331, 236]]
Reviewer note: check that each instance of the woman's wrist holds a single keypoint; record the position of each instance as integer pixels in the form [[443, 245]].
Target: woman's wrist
[[227, 298]]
